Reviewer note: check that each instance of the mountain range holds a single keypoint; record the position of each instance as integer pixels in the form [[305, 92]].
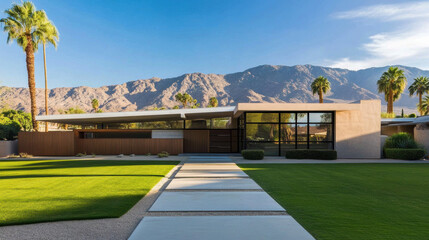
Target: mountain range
[[265, 83]]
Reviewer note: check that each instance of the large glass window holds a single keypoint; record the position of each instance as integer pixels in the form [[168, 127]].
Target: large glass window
[[262, 132], [278, 132], [262, 117]]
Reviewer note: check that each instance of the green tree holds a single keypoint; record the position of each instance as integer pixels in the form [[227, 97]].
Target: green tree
[[25, 25], [321, 86], [419, 87], [187, 100], [8, 128], [49, 34], [21, 117], [213, 102], [95, 104], [392, 83], [75, 110], [176, 107], [424, 107]]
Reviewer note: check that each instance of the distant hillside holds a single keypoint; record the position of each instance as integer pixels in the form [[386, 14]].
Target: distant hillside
[[264, 83]]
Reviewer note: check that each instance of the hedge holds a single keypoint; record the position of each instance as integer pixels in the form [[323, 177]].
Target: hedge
[[253, 154], [405, 153], [323, 154]]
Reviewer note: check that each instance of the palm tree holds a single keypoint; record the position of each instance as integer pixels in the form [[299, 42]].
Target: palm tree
[[321, 86], [24, 24], [419, 87], [392, 83], [49, 35], [95, 104], [424, 106]]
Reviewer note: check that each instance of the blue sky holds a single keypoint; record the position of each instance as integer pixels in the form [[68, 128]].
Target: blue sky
[[110, 42]]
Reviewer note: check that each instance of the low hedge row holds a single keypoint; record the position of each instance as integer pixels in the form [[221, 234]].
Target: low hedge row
[[253, 154], [404, 153], [323, 154]]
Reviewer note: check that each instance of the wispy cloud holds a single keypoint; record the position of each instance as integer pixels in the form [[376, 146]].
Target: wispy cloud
[[408, 43]]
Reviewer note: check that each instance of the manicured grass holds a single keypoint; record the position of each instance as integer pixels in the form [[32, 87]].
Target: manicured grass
[[351, 201], [52, 190]]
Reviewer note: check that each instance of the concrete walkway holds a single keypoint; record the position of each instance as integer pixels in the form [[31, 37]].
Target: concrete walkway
[[212, 198]]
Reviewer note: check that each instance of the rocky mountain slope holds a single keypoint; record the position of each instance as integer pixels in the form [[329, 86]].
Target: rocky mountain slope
[[264, 83]]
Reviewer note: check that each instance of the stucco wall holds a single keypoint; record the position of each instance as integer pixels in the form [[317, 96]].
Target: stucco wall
[[357, 132], [8, 147], [421, 135]]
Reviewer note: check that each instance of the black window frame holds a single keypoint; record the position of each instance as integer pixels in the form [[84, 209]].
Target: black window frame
[[243, 139]]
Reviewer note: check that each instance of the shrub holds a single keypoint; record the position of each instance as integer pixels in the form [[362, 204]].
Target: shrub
[[253, 154], [25, 155], [163, 154], [387, 115], [405, 153], [81, 155], [323, 154], [412, 115], [400, 140]]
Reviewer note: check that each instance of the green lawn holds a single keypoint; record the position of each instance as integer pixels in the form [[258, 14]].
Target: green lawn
[[52, 190], [351, 201]]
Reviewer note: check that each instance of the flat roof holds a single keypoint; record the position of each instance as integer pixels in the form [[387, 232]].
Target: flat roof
[[404, 121], [193, 113], [138, 116]]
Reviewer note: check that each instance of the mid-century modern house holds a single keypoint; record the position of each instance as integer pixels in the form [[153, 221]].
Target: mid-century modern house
[[353, 129]]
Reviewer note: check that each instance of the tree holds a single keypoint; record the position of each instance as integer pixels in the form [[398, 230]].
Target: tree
[[75, 110], [392, 83], [21, 117], [176, 107], [49, 34], [424, 107], [419, 87], [95, 104], [187, 100], [321, 86], [213, 102], [25, 25]]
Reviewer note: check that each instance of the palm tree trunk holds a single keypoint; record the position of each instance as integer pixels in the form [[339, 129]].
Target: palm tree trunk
[[420, 105], [390, 102], [46, 87], [320, 96], [31, 81]]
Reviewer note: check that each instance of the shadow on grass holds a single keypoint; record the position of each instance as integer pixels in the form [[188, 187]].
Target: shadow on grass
[[59, 164], [68, 176], [93, 208]]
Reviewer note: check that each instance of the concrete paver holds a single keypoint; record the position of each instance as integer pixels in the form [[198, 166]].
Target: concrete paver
[[211, 173], [213, 183], [220, 227], [215, 201], [210, 166]]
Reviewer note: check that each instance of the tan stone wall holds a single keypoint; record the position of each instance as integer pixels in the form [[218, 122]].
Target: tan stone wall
[[357, 133]]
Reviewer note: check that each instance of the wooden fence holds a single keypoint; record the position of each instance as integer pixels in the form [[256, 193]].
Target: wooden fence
[[69, 143], [46, 143]]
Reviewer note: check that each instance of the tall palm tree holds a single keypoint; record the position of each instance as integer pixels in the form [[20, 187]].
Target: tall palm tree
[[49, 35], [424, 106], [24, 24], [419, 87], [392, 83], [321, 86]]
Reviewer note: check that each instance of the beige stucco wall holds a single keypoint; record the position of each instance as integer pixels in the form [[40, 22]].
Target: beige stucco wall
[[357, 132], [421, 135], [8, 147]]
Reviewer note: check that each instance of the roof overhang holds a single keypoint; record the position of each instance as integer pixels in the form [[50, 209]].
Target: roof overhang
[[267, 107], [138, 116]]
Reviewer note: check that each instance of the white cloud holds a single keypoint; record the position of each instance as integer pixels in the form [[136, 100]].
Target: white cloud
[[389, 12], [409, 43]]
